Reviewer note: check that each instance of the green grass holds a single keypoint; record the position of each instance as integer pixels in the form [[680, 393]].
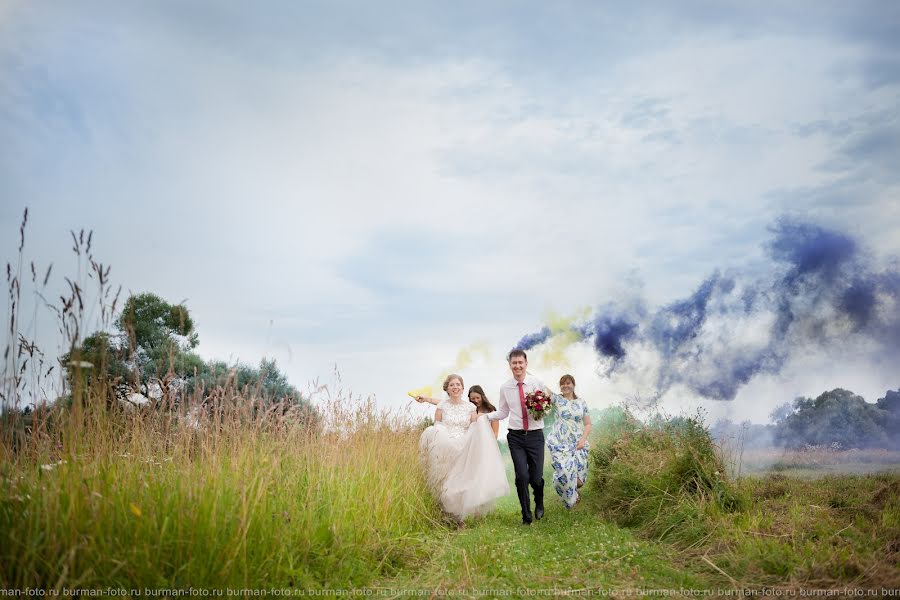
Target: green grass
[[99, 500], [815, 462], [667, 480], [831, 531], [149, 502], [567, 550], [668, 483]]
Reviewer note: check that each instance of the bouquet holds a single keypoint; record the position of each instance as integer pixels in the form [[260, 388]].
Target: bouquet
[[538, 404]]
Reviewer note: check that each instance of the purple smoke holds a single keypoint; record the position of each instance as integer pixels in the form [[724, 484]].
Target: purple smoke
[[610, 333], [681, 321], [822, 290], [533, 339], [812, 252]]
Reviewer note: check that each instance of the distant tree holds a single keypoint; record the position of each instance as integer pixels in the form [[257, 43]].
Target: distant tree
[[156, 338], [97, 356], [267, 381], [780, 413], [160, 336], [838, 416], [890, 404], [742, 435]]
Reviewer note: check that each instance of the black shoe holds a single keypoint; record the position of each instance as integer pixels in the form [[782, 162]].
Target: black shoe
[[526, 521], [539, 500]]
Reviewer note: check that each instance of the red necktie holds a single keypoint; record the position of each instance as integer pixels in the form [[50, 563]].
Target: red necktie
[[522, 400]]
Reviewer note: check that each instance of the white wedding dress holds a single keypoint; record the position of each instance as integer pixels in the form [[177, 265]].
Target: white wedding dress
[[462, 461]]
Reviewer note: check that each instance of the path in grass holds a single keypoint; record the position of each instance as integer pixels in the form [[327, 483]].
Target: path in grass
[[567, 550]]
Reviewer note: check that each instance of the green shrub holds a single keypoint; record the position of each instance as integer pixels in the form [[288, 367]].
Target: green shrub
[[664, 478]]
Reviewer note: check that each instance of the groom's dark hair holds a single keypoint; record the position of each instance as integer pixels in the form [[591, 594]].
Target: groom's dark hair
[[516, 352]]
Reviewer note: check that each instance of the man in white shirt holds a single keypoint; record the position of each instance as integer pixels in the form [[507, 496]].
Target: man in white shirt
[[526, 434]]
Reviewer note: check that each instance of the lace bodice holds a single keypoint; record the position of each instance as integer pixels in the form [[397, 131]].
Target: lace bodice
[[455, 416]]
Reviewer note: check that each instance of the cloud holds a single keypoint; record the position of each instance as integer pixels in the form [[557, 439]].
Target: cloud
[[363, 177]]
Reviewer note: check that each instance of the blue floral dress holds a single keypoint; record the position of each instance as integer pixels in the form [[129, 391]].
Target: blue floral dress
[[569, 464]]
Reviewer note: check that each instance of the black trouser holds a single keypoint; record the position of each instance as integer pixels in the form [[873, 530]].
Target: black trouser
[[527, 452]]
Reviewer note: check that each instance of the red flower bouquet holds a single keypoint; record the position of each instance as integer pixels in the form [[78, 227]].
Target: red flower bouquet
[[538, 404]]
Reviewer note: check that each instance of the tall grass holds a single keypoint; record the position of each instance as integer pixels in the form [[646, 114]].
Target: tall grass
[[149, 500], [665, 479], [834, 531], [211, 493]]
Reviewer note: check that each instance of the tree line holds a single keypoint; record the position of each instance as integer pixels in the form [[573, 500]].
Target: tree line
[[154, 340], [838, 419]]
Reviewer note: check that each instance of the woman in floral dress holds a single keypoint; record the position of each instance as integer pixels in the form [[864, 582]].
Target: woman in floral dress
[[567, 442]]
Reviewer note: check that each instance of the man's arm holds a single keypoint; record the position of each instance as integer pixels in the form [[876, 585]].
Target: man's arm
[[502, 409], [539, 385]]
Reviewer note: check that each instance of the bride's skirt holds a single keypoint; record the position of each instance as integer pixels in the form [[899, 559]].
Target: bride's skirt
[[466, 473]]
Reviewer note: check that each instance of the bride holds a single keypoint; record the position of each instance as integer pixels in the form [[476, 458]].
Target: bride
[[463, 464]]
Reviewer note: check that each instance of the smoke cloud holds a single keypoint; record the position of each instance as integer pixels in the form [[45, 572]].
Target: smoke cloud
[[821, 288], [531, 340]]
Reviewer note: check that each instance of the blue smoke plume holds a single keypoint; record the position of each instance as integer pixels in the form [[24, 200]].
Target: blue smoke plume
[[813, 253], [533, 339], [610, 333], [681, 321], [822, 289]]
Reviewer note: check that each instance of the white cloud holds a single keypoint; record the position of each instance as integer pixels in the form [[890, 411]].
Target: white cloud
[[263, 183]]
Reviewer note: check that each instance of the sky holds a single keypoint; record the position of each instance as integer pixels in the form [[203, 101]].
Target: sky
[[362, 191]]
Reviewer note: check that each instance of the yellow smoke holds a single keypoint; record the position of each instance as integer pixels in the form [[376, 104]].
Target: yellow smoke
[[422, 391], [464, 359], [562, 336], [560, 323]]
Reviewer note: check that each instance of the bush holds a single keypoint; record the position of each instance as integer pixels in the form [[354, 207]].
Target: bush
[[664, 478]]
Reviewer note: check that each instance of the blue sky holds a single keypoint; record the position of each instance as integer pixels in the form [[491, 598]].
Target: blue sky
[[377, 186]]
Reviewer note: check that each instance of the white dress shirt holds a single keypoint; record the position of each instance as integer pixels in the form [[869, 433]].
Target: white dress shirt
[[510, 404]]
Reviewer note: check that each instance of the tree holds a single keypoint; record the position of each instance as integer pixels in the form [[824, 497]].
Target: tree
[[98, 356], [782, 412], [158, 338], [835, 417], [271, 384], [890, 404], [160, 335]]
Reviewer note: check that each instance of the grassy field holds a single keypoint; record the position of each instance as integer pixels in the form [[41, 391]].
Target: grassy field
[[816, 462], [93, 498], [146, 501], [570, 551], [835, 531], [775, 531], [785, 534]]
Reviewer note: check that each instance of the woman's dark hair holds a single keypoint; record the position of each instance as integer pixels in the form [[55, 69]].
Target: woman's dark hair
[[486, 406]]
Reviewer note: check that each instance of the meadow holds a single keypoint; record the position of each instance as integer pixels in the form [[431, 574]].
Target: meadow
[[815, 462], [92, 499]]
